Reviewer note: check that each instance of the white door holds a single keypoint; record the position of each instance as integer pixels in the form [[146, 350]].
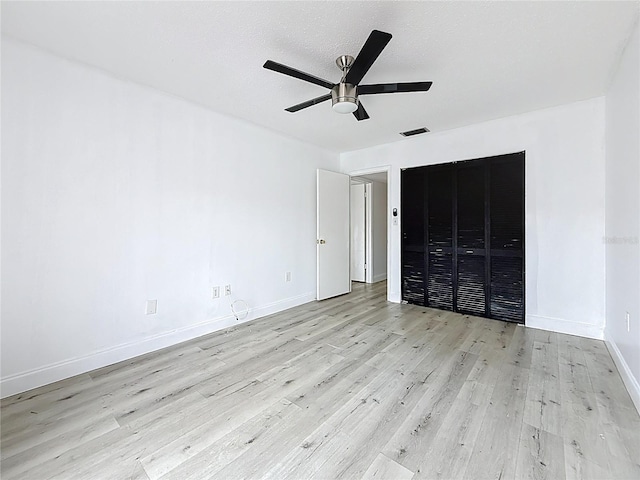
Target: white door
[[332, 247], [358, 232]]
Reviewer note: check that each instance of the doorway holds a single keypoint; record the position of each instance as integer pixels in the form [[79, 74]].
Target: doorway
[[359, 233], [369, 229]]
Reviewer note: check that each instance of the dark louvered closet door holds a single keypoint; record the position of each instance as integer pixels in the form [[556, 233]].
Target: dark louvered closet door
[[413, 229], [463, 237], [439, 210], [507, 237], [470, 232]]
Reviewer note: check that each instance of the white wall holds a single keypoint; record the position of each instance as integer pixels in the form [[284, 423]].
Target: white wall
[[565, 255], [112, 194], [379, 230], [623, 216]]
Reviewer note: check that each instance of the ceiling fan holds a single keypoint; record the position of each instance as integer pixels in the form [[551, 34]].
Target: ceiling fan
[[344, 95]]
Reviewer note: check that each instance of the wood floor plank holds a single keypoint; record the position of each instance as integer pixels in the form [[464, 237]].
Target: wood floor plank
[[349, 387], [247, 404], [342, 378], [259, 430], [309, 457], [383, 468], [496, 446], [82, 426], [540, 455], [174, 452], [266, 453], [421, 424], [586, 454], [45, 448], [479, 385], [448, 454], [378, 412], [41, 400], [543, 408]]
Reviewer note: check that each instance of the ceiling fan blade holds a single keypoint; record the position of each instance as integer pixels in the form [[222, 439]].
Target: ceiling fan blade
[[308, 103], [360, 113], [370, 50], [393, 88], [292, 72]]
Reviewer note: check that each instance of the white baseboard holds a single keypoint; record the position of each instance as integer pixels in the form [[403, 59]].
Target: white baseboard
[[561, 325], [38, 377], [625, 372], [379, 278]]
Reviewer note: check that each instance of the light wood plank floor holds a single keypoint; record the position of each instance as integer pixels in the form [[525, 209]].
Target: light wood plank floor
[[352, 387]]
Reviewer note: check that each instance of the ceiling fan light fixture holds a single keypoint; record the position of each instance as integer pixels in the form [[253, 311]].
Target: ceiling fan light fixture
[[343, 98], [344, 95], [345, 106]]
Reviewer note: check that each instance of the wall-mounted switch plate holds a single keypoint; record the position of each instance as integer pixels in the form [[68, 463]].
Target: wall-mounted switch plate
[[227, 289], [287, 276], [215, 292], [152, 307], [628, 325]]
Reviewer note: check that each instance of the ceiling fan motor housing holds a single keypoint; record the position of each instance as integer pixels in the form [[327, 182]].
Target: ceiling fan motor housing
[[343, 98]]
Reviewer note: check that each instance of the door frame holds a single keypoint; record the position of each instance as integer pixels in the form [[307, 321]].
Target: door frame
[[368, 235], [382, 169], [366, 187]]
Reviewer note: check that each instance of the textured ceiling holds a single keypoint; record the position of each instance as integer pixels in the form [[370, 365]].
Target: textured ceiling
[[486, 59]]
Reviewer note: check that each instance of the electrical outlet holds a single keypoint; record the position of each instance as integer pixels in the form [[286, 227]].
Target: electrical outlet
[[152, 307], [215, 292], [628, 326], [227, 289], [287, 276]]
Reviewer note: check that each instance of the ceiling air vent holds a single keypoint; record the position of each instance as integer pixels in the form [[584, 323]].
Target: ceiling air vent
[[417, 131]]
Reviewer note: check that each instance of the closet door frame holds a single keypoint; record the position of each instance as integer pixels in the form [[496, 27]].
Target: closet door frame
[[488, 251]]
